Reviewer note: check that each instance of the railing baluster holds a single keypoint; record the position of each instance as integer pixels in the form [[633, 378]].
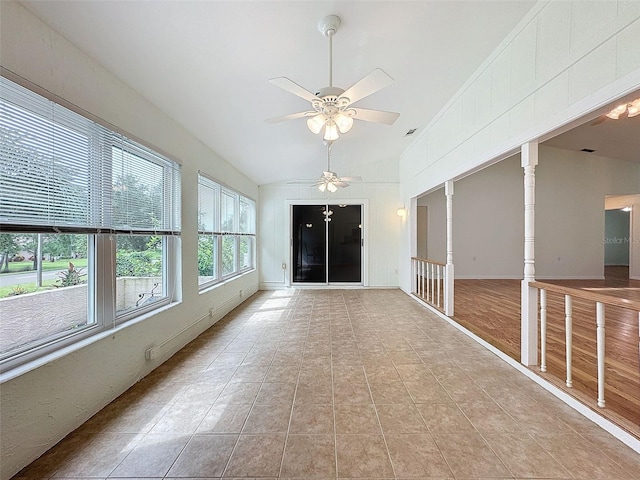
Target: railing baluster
[[600, 351], [421, 279], [568, 333], [413, 276], [543, 330], [426, 281], [432, 282], [438, 285]]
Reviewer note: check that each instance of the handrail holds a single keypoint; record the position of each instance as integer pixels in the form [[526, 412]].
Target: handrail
[[429, 261], [601, 300], [588, 295]]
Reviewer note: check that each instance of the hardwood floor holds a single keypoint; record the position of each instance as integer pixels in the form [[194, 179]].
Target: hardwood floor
[[491, 309]]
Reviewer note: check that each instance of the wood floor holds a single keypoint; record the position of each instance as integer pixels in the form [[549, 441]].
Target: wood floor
[[491, 309]]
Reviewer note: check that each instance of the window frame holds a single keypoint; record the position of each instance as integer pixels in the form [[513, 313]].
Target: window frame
[[219, 232]]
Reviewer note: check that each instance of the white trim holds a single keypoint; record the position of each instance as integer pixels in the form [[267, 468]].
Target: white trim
[[602, 422]]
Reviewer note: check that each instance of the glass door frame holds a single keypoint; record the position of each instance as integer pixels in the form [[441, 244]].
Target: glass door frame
[[364, 257]]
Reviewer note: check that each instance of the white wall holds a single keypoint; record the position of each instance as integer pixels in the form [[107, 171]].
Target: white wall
[[570, 191], [381, 228], [564, 59], [41, 406], [488, 216]]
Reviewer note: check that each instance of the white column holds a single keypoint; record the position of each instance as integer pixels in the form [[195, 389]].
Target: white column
[[529, 295], [448, 287]]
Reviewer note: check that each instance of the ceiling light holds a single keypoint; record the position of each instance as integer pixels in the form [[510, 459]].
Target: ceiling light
[[316, 123], [632, 108], [344, 122], [331, 131]]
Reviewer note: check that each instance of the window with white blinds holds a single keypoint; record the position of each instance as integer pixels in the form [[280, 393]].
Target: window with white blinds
[[61, 172], [89, 217], [226, 232]]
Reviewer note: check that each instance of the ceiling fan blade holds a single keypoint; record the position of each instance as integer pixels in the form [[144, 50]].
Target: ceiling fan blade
[[292, 87], [375, 116], [302, 182], [341, 184], [351, 179], [291, 116], [599, 120], [376, 80]]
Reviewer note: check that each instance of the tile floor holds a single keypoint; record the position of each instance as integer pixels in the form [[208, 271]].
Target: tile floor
[[336, 384]]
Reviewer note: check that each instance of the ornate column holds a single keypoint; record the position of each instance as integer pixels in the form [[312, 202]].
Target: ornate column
[[529, 295], [448, 287]]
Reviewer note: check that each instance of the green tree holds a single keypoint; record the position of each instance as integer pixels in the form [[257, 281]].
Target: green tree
[[8, 247]]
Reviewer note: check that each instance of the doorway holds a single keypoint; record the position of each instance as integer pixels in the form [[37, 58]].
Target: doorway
[[327, 244]]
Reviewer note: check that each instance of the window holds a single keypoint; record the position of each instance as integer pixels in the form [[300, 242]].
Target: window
[[89, 219], [226, 232]]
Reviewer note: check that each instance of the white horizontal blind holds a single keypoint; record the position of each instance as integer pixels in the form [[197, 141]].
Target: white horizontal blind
[[223, 211], [62, 172]]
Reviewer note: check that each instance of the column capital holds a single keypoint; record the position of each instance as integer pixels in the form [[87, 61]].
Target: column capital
[[448, 187], [529, 154]]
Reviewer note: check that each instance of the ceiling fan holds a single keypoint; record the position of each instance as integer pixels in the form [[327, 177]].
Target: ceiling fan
[[332, 110], [329, 181]]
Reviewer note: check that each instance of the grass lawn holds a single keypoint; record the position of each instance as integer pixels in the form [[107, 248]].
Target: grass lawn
[[26, 266], [26, 288]]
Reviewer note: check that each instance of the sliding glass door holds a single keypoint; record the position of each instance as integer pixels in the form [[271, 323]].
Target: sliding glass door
[[327, 243]]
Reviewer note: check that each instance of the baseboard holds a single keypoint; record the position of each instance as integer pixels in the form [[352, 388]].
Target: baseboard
[[344, 286]]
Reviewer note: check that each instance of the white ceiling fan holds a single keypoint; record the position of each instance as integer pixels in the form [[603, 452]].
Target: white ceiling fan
[[328, 181], [332, 110]]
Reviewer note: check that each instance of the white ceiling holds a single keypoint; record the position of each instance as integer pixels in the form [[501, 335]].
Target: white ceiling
[[206, 64], [609, 138]]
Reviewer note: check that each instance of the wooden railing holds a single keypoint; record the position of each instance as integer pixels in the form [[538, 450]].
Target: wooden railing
[[601, 301], [428, 281]]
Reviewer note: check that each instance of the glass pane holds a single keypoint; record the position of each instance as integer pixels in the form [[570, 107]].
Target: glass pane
[[244, 216], [207, 206], [309, 243], [246, 252], [137, 185], [138, 271], [345, 234], [228, 254], [227, 212], [207, 258], [42, 300]]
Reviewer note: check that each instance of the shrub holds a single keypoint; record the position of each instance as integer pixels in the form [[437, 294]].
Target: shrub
[[70, 277], [138, 264]]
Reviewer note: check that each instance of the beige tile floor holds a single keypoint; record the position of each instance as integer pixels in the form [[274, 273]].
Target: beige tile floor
[[336, 384]]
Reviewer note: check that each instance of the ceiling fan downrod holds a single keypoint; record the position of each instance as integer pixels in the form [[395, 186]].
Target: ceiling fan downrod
[[329, 26]]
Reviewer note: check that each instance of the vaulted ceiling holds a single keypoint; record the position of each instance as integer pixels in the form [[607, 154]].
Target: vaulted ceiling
[[207, 64]]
